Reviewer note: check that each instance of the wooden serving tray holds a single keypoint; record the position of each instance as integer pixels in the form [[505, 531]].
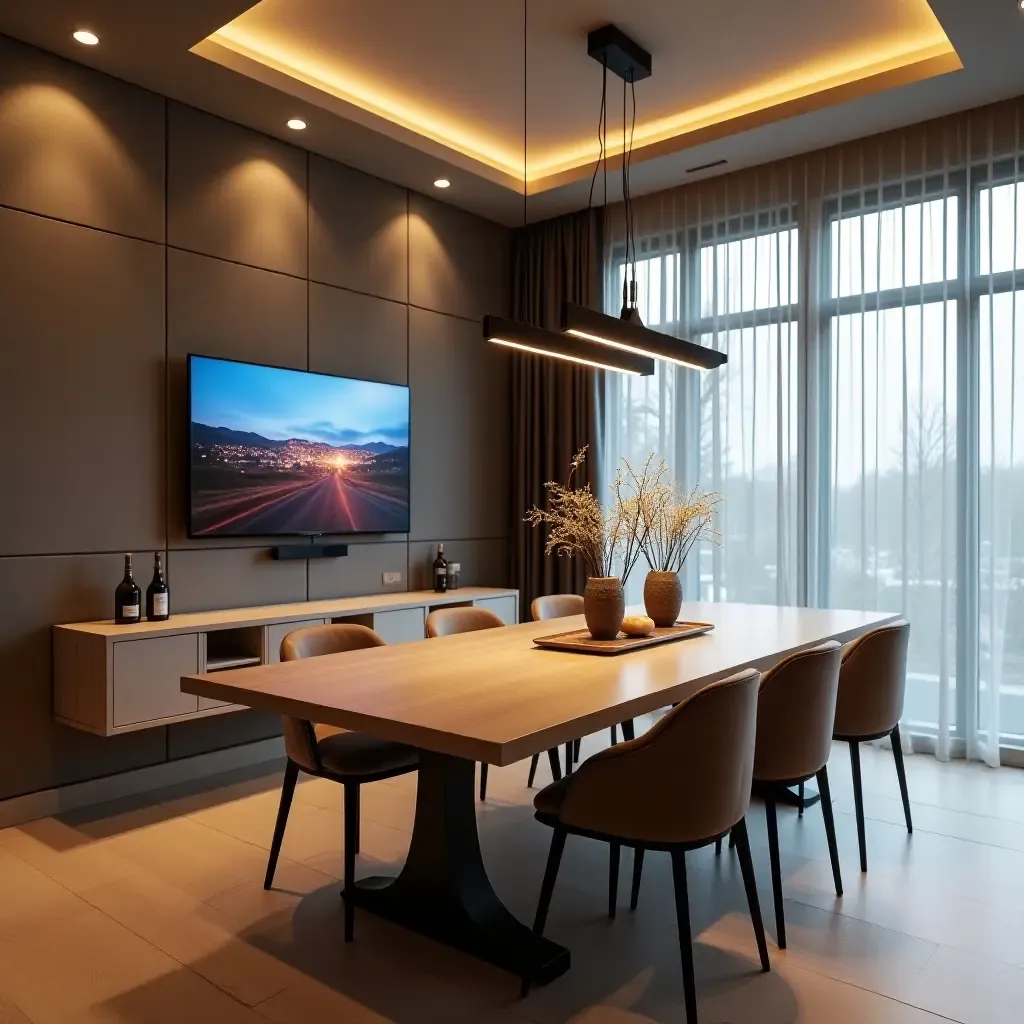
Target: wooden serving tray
[[580, 640]]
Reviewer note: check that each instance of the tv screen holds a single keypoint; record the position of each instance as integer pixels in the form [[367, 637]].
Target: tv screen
[[275, 451]]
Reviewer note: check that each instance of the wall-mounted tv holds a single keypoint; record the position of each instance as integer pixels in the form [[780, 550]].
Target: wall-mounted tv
[[275, 451]]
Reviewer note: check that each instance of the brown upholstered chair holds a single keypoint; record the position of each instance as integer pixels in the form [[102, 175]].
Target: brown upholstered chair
[[872, 680], [679, 786], [349, 758], [448, 621], [561, 606], [796, 709]]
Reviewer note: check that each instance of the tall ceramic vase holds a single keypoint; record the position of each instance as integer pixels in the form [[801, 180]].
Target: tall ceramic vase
[[663, 597], [604, 606]]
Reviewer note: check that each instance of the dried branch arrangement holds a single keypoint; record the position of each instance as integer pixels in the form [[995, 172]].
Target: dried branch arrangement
[[671, 520], [578, 525]]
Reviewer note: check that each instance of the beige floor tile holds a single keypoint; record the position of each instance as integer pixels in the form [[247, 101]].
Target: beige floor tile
[[28, 898], [382, 850], [89, 969], [196, 935], [10, 1014]]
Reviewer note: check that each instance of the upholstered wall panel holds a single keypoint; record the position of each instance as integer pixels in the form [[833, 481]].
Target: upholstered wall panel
[[360, 572], [358, 231], [234, 193], [82, 372], [80, 146], [484, 563], [204, 578]]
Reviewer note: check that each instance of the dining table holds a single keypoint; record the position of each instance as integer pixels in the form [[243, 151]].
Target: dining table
[[495, 697]]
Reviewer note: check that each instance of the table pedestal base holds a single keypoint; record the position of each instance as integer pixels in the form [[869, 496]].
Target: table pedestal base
[[443, 891]]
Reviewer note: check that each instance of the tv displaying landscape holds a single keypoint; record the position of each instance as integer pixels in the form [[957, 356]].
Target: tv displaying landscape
[[276, 451]]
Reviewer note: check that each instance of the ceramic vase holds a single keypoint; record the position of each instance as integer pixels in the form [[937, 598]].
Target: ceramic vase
[[663, 597], [604, 606]]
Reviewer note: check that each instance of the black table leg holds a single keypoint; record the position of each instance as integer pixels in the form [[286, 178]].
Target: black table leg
[[443, 891]]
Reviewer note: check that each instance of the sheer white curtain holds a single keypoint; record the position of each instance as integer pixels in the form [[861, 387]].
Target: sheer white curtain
[[865, 432]]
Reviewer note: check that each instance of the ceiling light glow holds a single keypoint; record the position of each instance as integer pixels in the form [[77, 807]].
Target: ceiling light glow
[[296, 124], [85, 37], [444, 182]]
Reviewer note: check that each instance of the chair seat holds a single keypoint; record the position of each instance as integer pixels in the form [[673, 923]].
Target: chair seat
[[355, 753], [549, 800]]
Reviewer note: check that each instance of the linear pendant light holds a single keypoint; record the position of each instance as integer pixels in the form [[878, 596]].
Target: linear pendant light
[[526, 338], [538, 341], [631, 336]]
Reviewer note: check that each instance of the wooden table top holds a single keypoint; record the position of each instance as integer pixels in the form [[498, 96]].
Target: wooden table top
[[493, 696]]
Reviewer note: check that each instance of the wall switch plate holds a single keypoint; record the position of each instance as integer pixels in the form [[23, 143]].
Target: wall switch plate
[[392, 577]]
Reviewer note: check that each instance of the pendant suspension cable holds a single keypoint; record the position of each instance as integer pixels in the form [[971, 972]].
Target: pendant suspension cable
[[601, 156], [525, 187]]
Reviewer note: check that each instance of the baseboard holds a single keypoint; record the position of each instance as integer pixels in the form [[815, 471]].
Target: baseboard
[[19, 809]]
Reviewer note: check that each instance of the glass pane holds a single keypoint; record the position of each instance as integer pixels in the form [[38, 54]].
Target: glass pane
[[896, 248], [1001, 507], [893, 486], [648, 290], [748, 452], [749, 273], [1001, 247]]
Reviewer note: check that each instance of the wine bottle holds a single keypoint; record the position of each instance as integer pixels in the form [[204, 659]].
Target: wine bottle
[[158, 594], [440, 571], [127, 597]]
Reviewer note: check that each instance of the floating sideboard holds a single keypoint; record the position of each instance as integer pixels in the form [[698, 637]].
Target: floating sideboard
[[110, 679]]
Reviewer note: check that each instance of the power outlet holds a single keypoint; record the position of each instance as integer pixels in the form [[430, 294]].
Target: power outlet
[[392, 577]]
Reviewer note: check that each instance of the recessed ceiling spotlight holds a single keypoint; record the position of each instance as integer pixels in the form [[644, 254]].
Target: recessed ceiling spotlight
[[296, 123], [444, 182], [85, 37]]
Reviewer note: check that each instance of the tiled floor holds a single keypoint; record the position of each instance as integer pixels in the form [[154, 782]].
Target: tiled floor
[[153, 911]]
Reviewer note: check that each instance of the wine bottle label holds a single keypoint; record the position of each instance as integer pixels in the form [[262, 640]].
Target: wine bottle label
[[129, 611], [160, 603], [441, 570]]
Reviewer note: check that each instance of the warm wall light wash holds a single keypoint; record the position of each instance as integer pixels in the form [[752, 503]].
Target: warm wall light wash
[[512, 334], [86, 38], [296, 123], [626, 336]]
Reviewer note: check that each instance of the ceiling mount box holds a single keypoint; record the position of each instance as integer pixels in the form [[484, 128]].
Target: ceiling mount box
[[613, 49]]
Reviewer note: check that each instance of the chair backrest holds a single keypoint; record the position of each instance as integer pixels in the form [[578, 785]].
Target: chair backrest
[[796, 710], [447, 621], [312, 642], [872, 681], [685, 780], [556, 606]]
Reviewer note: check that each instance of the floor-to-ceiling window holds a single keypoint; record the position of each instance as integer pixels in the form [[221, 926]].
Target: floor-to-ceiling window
[[866, 432]]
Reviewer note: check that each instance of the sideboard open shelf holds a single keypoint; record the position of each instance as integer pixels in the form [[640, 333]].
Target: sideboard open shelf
[[111, 679]]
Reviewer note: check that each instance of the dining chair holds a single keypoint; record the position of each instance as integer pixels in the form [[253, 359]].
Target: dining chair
[[679, 786], [872, 681], [561, 606], [465, 619], [349, 758], [796, 709]]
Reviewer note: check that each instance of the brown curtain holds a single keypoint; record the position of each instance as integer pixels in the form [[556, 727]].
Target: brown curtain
[[554, 403]]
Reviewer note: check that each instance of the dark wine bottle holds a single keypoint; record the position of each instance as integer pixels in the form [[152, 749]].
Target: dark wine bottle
[[440, 571], [127, 597], [158, 594]]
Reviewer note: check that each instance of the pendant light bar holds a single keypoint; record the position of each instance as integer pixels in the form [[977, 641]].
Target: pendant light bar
[[627, 336], [526, 338]]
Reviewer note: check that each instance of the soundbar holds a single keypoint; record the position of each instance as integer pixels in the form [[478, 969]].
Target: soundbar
[[287, 552]]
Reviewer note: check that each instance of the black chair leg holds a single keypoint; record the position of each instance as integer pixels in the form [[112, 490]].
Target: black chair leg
[[534, 761], [547, 888], [351, 834], [483, 781], [628, 733], [638, 870], [858, 800], [897, 753], [614, 853], [800, 794], [732, 840], [568, 758], [750, 885], [685, 938], [830, 828], [576, 751], [718, 846], [556, 766], [614, 734], [291, 775], [773, 855]]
